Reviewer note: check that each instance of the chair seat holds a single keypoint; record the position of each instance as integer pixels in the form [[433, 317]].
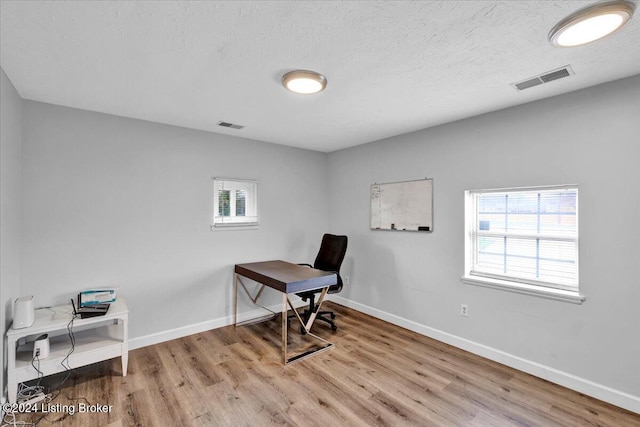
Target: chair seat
[[333, 289]]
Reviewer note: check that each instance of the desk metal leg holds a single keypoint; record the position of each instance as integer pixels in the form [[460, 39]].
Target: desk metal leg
[[235, 299], [285, 335], [316, 309], [286, 303], [254, 299], [306, 327]]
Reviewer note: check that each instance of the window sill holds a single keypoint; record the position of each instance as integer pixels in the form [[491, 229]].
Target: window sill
[[231, 226], [522, 288]]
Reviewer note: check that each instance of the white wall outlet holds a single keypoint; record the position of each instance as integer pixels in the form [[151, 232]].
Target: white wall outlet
[[464, 310], [345, 280]]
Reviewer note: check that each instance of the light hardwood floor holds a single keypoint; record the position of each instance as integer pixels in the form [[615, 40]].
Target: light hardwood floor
[[377, 375]]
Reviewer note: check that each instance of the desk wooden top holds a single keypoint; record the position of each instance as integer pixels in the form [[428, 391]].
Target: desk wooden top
[[285, 276]]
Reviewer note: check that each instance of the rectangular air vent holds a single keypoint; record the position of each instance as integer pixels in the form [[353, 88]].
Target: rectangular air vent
[[555, 75], [528, 83], [547, 77], [229, 125]]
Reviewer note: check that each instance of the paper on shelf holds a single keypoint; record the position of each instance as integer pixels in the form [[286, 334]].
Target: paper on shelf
[[97, 296]]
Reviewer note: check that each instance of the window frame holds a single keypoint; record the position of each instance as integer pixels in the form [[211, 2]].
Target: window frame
[[233, 221], [545, 288]]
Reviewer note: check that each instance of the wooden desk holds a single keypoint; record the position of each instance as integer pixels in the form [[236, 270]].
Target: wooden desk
[[286, 278]]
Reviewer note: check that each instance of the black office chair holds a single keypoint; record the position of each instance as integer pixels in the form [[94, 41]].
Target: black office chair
[[329, 258]]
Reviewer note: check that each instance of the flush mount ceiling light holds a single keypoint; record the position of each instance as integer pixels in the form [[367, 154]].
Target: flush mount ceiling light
[[591, 23], [304, 81]]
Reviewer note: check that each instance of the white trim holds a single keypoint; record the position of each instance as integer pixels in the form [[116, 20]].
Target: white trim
[[172, 334], [197, 328], [581, 385], [250, 219], [525, 289], [532, 188], [519, 281], [231, 226], [220, 178], [517, 284]]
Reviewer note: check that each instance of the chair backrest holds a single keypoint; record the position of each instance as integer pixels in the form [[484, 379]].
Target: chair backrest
[[331, 253]]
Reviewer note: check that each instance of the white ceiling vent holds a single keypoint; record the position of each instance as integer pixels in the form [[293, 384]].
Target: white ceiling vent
[[230, 125], [547, 77]]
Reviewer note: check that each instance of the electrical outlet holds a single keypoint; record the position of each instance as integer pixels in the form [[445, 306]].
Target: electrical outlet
[[345, 279], [464, 310]]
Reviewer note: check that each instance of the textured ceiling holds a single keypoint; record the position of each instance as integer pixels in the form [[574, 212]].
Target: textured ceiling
[[393, 67]]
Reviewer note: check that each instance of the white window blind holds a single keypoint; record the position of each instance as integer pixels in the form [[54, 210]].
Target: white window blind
[[235, 202], [524, 235]]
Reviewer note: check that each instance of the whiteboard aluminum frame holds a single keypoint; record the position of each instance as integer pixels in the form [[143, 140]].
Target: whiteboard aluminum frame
[[432, 226]]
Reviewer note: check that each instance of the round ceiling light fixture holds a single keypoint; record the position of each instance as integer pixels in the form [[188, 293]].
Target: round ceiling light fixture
[[304, 81], [591, 23]]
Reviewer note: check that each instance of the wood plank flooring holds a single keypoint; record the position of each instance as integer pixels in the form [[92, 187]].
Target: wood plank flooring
[[377, 375]]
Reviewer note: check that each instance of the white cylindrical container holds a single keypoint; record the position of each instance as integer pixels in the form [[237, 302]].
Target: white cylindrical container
[[23, 312]]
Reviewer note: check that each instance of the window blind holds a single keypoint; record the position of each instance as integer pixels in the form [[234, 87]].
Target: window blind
[[526, 235]]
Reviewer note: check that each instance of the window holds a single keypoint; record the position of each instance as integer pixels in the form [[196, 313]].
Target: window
[[235, 203], [524, 238]]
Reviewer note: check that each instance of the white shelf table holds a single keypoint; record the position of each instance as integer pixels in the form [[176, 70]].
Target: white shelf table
[[96, 339]]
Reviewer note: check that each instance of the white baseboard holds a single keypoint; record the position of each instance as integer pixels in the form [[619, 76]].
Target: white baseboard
[[197, 328], [183, 331], [590, 388]]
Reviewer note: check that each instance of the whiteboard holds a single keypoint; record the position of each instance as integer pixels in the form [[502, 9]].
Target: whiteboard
[[402, 206]]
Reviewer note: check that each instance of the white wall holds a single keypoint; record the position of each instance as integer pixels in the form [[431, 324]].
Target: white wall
[[115, 201], [10, 200], [109, 200], [591, 138]]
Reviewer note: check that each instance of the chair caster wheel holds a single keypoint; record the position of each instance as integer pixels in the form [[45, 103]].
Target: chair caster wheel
[[333, 316], [334, 328]]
